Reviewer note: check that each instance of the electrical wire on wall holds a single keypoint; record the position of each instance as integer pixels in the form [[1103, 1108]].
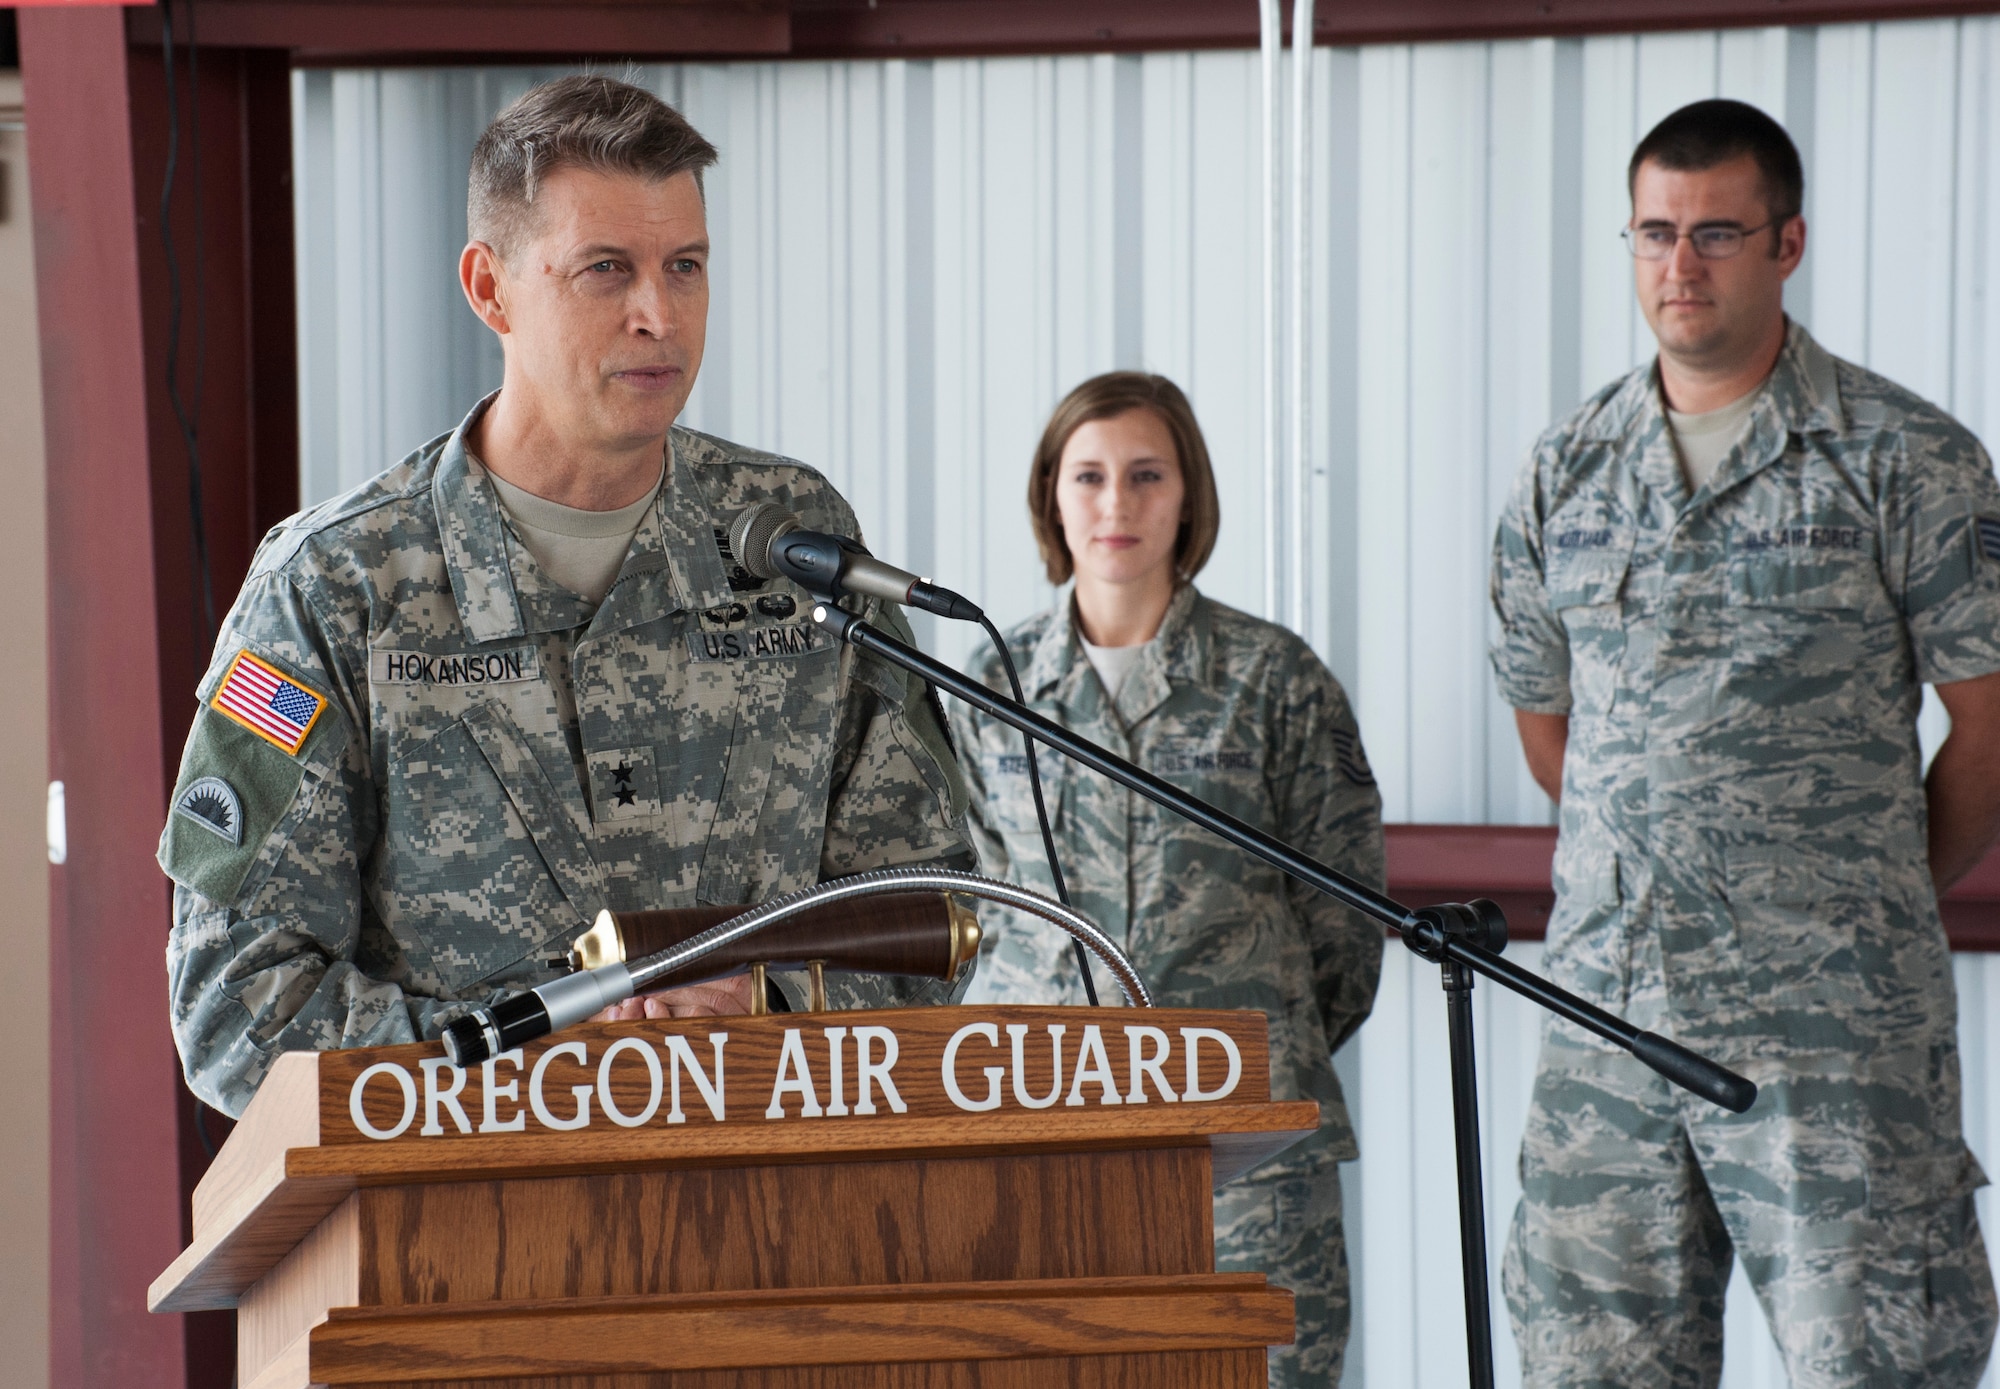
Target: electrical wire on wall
[[187, 411]]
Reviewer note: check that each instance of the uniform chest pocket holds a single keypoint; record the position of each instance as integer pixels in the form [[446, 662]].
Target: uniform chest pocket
[[483, 867], [1010, 798], [1224, 772], [1586, 588], [1805, 616]]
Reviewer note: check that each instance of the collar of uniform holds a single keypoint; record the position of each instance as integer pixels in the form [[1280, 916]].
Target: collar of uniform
[[1805, 386], [1057, 650], [472, 532], [645, 588], [1178, 653], [1800, 396], [689, 519]]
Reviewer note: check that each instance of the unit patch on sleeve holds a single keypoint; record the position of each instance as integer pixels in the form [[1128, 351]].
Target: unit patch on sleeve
[[213, 804], [269, 703], [1989, 536]]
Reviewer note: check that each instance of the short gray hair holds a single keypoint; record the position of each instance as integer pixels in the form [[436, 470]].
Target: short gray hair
[[584, 121]]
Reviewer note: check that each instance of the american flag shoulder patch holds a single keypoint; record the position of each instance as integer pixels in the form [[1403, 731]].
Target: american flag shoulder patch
[[1988, 528], [268, 702]]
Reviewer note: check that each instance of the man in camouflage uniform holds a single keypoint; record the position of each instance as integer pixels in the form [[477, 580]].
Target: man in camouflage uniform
[[1241, 713], [422, 765], [1717, 663]]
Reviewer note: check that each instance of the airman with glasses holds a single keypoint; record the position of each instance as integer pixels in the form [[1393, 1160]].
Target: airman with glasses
[[1722, 584]]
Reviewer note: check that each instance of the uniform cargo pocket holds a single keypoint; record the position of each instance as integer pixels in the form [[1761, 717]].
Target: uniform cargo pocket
[[1798, 915]]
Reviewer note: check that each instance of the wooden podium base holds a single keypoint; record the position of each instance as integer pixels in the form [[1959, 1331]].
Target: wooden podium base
[[936, 1246]]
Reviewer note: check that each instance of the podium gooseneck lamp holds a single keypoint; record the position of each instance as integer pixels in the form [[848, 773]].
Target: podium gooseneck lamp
[[564, 1002]]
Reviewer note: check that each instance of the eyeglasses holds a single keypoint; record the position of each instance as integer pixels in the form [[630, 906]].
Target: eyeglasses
[[1716, 241]]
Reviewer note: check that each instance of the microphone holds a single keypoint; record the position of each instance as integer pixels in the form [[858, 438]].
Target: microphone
[[772, 543]]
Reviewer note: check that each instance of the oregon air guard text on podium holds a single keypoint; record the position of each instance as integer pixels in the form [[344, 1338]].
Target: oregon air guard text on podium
[[995, 1197]]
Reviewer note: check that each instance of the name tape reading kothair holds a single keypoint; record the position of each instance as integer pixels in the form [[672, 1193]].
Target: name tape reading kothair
[[459, 668]]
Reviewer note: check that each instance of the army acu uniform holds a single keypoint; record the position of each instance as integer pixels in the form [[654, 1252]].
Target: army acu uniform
[[1742, 865], [1242, 714], [421, 767]]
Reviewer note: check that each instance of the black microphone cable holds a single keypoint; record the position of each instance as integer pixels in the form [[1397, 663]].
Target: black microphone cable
[[1041, 808], [771, 543]]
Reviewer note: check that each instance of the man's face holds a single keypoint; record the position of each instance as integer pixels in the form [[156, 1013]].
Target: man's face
[[1708, 313], [605, 304]]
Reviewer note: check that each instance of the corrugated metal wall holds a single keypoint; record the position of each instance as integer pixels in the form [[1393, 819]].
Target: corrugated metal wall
[[916, 259]]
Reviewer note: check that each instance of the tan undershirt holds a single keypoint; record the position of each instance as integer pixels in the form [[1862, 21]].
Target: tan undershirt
[[581, 550], [1704, 440], [1113, 663]]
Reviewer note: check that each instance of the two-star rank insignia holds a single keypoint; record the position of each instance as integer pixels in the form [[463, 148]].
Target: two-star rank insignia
[[621, 776]]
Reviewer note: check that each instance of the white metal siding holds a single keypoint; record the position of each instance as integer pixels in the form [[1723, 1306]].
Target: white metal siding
[[915, 260]]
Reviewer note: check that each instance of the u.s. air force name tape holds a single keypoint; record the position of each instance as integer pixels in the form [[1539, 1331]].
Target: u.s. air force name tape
[[454, 668]]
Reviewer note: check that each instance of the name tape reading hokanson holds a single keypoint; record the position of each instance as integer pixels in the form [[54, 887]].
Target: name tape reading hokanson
[[274, 707]]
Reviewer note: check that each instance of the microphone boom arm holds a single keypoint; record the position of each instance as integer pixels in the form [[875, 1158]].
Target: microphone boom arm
[[1460, 935]]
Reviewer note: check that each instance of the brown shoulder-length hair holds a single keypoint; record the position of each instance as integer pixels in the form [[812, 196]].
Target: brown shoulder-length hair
[[1100, 398]]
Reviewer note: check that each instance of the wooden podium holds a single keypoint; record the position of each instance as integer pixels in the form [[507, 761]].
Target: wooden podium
[[977, 1196]]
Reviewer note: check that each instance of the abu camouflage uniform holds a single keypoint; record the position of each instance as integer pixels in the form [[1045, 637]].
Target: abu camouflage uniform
[[1743, 866], [493, 762], [1241, 713]]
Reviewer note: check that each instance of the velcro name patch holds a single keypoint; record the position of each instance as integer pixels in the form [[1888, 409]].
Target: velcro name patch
[[458, 668]]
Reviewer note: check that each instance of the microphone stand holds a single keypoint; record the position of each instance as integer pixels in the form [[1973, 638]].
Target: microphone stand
[[1462, 939]]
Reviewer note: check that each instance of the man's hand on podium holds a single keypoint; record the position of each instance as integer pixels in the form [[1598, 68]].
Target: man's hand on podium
[[717, 998]]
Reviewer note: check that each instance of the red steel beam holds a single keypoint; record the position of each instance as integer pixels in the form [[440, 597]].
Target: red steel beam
[[917, 28], [1453, 863], [130, 637], [328, 32], [346, 32]]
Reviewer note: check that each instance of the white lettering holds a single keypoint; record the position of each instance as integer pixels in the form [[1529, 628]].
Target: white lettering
[[496, 1091], [837, 1061], [868, 1073], [1144, 1065], [1194, 1036], [792, 1061], [993, 1073], [1017, 1033], [433, 1097], [604, 1098], [547, 1120], [360, 1115], [1092, 1064], [680, 1054]]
